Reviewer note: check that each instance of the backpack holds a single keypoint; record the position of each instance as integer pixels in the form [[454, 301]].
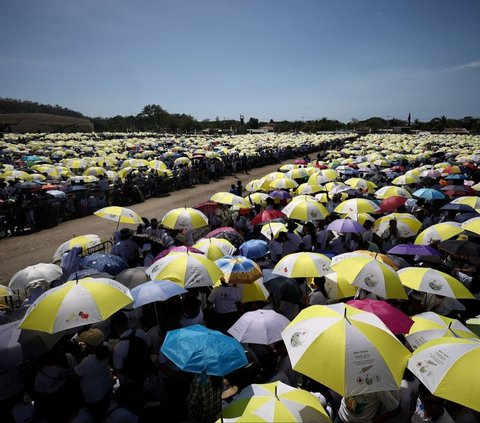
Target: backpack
[[138, 363]]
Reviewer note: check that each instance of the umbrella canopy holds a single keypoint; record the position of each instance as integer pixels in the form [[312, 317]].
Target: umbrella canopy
[[250, 292], [458, 191], [346, 226], [438, 232], [303, 265], [177, 249], [346, 349], [338, 287], [430, 325], [17, 345], [197, 349], [458, 208], [405, 180], [305, 210], [407, 225], [271, 229], [254, 248], [395, 320], [472, 225], [463, 248], [184, 218], [229, 199], [428, 194], [119, 215], [267, 216], [413, 250], [392, 191], [357, 205], [227, 233], [282, 183], [473, 202], [371, 275], [282, 287], [45, 272], [75, 304], [215, 248], [132, 277], [361, 184], [391, 204], [83, 241], [239, 269], [152, 291], [259, 327], [188, 270], [104, 262], [276, 402], [433, 281], [448, 367], [5, 291]]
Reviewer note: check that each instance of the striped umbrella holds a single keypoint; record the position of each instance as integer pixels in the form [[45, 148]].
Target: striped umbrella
[[184, 218], [438, 232], [215, 248], [239, 269], [305, 210], [303, 265]]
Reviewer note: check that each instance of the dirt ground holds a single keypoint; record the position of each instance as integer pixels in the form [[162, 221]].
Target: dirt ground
[[19, 252]]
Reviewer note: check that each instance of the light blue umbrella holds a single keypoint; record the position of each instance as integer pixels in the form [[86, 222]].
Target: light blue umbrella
[[239, 269], [254, 248], [152, 291], [428, 194], [197, 349]]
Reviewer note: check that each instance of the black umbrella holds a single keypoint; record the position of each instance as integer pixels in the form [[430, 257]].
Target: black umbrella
[[458, 208], [462, 248], [285, 289]]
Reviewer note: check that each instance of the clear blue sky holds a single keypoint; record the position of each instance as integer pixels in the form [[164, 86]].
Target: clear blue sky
[[270, 59]]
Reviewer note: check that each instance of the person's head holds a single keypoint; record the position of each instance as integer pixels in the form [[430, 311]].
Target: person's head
[[125, 233], [281, 237], [119, 322], [433, 404], [309, 228], [368, 224], [154, 223]]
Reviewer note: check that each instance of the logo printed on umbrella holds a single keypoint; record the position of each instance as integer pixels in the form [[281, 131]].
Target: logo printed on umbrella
[[285, 269], [298, 338], [435, 285], [83, 315], [371, 280]]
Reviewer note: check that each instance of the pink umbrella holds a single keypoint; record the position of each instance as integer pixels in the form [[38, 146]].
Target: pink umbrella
[[397, 321], [300, 161], [178, 249]]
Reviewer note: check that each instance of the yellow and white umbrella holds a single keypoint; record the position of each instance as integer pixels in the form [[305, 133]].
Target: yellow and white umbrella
[[229, 199], [471, 201], [356, 206], [361, 184], [5, 291], [76, 303], [257, 198], [346, 349], [433, 281], [338, 288], [83, 241], [305, 210], [94, 171], [119, 215], [184, 218], [254, 185], [372, 275], [303, 265], [271, 229], [438, 232], [157, 165], [449, 368], [282, 183], [405, 180], [215, 248], [407, 225], [309, 189], [188, 270], [299, 173], [277, 402], [472, 225], [392, 191], [255, 291], [430, 325]]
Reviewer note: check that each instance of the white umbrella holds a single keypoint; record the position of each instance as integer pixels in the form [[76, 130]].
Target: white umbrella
[[46, 272], [259, 327]]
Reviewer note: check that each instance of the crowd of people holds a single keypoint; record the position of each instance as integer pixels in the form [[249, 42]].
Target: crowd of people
[[114, 371]]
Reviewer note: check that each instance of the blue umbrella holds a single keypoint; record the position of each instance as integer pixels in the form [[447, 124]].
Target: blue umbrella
[[428, 194], [197, 349], [152, 291], [239, 269], [456, 176], [107, 263], [254, 248]]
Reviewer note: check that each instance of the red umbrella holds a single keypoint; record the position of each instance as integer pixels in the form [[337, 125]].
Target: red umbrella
[[397, 321], [268, 215], [392, 203], [300, 161], [207, 207], [177, 249], [458, 191], [321, 166]]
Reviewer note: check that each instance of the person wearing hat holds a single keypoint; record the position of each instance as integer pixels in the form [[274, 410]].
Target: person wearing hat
[[126, 248], [94, 372]]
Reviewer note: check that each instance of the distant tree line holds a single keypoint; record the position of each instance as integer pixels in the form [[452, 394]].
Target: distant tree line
[[154, 117]]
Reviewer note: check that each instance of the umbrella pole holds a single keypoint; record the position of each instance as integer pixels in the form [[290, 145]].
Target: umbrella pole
[[156, 314]]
